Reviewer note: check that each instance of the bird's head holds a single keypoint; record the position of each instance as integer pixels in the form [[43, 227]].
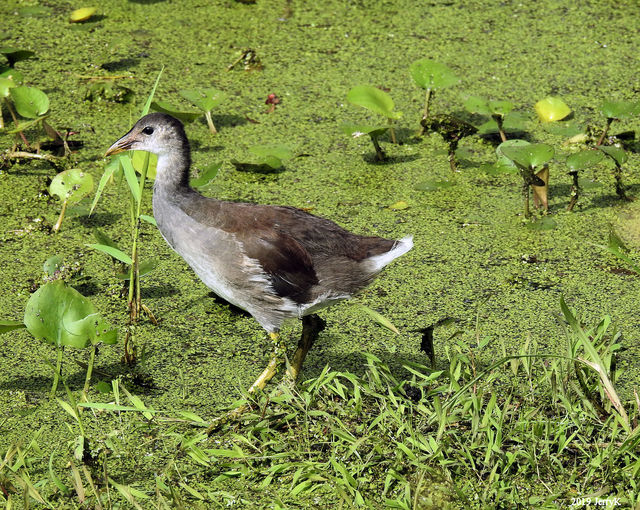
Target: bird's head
[[158, 133]]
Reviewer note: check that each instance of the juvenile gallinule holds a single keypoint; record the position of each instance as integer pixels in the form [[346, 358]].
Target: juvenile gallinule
[[274, 262]]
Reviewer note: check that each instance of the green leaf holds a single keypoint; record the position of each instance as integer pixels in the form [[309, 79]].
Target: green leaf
[[503, 160], [103, 238], [480, 105], [204, 99], [529, 156], [5, 85], [138, 159], [149, 219], [72, 185], [379, 318], [164, 107], [130, 175], [551, 109], [272, 155], [144, 268], [6, 326], [429, 74], [147, 105], [30, 102], [206, 175], [545, 223], [52, 264], [619, 109], [584, 159], [616, 153], [374, 99], [114, 252], [111, 167], [60, 315]]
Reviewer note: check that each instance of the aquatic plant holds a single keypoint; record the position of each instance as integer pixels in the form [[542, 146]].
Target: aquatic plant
[[551, 109], [616, 110], [532, 161], [374, 132], [430, 76], [70, 186], [452, 130], [205, 100], [59, 315], [265, 158], [124, 163], [618, 156], [497, 110], [576, 162], [376, 101]]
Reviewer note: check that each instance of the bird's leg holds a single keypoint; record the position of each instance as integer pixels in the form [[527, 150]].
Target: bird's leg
[[277, 359], [311, 327]]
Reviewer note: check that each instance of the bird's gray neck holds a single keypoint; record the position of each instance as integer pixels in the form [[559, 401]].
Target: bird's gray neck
[[172, 171]]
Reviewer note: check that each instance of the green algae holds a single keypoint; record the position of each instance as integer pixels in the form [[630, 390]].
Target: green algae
[[472, 255]]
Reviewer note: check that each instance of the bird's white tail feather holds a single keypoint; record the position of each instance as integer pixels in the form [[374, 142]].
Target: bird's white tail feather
[[402, 246]]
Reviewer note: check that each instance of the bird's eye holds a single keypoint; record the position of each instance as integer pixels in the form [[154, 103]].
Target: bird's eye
[[148, 130]]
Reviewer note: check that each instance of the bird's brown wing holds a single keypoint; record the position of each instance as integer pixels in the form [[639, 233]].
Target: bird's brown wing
[[287, 264]]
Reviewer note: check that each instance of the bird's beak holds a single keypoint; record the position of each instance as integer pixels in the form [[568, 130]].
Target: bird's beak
[[124, 144]]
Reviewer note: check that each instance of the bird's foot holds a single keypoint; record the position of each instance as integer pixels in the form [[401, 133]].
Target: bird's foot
[[312, 325]]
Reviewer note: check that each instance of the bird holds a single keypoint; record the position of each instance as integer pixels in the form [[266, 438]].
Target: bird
[[274, 262]]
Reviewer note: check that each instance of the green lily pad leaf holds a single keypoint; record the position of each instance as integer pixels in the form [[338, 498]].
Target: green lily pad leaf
[[475, 104], [52, 264], [616, 153], [14, 55], [205, 99], [503, 160], [272, 155], [35, 11], [568, 129], [6, 326], [498, 168], [206, 175], [433, 185], [5, 85], [144, 268], [619, 109], [373, 99], [164, 107], [71, 185], [30, 102], [551, 109], [529, 156], [358, 130], [584, 159], [400, 205], [12, 74], [60, 315], [429, 74], [513, 122], [545, 223]]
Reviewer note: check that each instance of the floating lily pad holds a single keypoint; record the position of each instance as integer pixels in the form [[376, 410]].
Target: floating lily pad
[[619, 109], [531, 155], [476, 104], [373, 99], [60, 315], [14, 55], [205, 99], [584, 159], [429, 74], [273, 156], [71, 185], [551, 109], [616, 153], [30, 102], [83, 14]]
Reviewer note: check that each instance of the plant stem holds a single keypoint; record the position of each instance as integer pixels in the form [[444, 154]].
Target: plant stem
[[425, 112], [575, 191], [541, 193], [58, 224], [620, 191], [453, 146], [393, 132], [380, 155], [212, 128], [87, 378], [15, 121], [606, 130], [525, 194], [56, 374], [500, 120]]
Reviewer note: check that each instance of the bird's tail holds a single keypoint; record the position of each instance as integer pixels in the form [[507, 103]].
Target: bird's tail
[[400, 247]]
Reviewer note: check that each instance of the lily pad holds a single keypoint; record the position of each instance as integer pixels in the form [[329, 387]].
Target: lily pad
[[551, 109], [71, 185], [373, 99], [5, 85], [205, 99], [429, 74], [82, 14], [584, 159], [619, 109], [476, 104], [357, 130], [273, 156], [60, 315], [30, 102], [616, 153], [529, 156], [164, 107]]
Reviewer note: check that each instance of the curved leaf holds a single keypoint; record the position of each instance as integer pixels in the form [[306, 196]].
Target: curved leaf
[[112, 251], [619, 109], [374, 99], [616, 153], [71, 185], [30, 102], [205, 99], [164, 107], [529, 156], [429, 74], [551, 109], [584, 159]]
